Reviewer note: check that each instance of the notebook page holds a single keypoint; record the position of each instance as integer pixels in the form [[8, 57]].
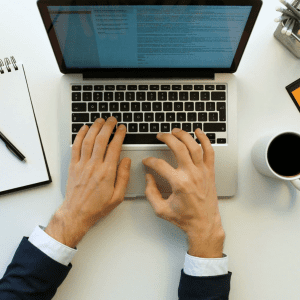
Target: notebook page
[[18, 124]]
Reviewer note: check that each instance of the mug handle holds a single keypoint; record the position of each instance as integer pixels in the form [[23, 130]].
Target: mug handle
[[296, 183]]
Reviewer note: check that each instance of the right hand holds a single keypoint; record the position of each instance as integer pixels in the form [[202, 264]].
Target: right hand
[[193, 204]]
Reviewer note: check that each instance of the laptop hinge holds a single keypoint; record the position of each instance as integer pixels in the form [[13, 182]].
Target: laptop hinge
[[208, 75]]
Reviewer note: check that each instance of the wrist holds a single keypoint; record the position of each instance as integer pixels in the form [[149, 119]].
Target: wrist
[[65, 229]]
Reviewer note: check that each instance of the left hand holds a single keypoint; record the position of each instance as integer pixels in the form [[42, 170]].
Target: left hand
[[92, 192]]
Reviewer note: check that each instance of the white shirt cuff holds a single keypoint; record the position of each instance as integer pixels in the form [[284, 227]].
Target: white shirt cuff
[[197, 266], [51, 247]]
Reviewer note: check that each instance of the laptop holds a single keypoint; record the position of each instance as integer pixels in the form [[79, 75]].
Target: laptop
[[154, 65]]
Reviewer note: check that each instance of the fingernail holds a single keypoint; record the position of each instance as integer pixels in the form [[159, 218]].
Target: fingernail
[[159, 134], [99, 120], [83, 127], [176, 130], [198, 130], [122, 127]]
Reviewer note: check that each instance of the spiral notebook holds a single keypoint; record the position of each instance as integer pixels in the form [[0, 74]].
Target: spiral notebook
[[19, 125]]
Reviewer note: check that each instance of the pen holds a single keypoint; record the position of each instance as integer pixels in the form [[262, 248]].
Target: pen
[[292, 8], [281, 18], [286, 26], [290, 29], [285, 12], [11, 147]]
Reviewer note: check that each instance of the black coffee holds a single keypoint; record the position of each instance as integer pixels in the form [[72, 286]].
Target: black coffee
[[284, 154]]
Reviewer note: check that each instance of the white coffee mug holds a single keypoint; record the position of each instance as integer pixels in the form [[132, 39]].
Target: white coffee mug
[[261, 162]]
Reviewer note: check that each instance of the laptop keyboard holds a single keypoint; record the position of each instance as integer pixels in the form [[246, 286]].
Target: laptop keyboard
[[146, 110]]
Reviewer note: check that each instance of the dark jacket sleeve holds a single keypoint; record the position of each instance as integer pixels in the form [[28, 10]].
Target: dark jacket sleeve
[[204, 288], [32, 275]]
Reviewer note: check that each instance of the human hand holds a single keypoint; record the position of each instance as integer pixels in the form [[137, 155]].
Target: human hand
[[92, 192], [193, 204]]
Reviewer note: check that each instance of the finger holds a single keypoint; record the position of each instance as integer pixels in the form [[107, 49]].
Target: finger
[[158, 203], [123, 175], [89, 140], [103, 138], [115, 146], [162, 168], [76, 147], [178, 148], [194, 149], [208, 150]]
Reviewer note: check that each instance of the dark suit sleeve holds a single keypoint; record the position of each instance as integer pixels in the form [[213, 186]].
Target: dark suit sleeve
[[204, 288], [32, 275]]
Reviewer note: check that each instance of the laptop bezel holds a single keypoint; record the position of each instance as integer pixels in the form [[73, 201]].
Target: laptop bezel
[[148, 72]]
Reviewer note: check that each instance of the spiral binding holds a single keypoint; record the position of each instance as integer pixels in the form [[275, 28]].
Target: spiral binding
[[7, 63]]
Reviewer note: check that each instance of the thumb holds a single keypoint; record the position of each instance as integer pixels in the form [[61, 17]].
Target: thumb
[[154, 196]]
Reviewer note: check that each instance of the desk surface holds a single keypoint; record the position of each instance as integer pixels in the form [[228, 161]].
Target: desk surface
[[132, 254]]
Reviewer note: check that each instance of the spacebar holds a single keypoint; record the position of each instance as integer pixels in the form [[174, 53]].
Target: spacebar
[[140, 138]]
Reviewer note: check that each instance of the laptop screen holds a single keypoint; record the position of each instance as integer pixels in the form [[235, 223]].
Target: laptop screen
[[149, 36]]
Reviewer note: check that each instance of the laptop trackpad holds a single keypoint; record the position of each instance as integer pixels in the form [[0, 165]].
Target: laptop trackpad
[[137, 182]]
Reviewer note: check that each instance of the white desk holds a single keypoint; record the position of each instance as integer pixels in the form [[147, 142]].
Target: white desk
[[132, 254]]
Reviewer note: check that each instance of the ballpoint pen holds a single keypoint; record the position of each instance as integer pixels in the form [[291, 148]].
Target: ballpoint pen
[[11, 147]]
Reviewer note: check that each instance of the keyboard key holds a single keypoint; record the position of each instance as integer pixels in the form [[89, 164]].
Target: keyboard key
[[135, 106], [108, 96], [181, 117], [92, 106], [149, 117], [189, 106], [154, 127], [97, 96], [157, 106], [87, 87], [209, 87], [141, 96], [221, 141], [76, 127], [138, 117], [205, 96], [151, 96], [130, 96], [168, 106], [162, 96], [165, 87], [165, 127], [125, 106], [154, 87], [79, 106], [173, 96], [73, 138], [119, 96], [192, 117], [146, 106], [132, 127], [109, 87], [76, 88], [143, 127], [113, 106], [183, 96], [198, 87], [175, 125], [159, 117], [176, 87], [118, 116], [187, 127], [146, 138], [89, 124], [197, 125], [87, 96], [220, 87], [94, 117], [211, 136], [127, 117], [143, 87], [76, 96], [210, 106], [194, 96], [221, 107], [132, 87], [199, 106], [213, 117], [202, 117], [215, 127], [121, 87], [103, 106], [170, 117], [178, 106], [105, 116], [98, 87], [84, 117], [218, 96], [187, 87]]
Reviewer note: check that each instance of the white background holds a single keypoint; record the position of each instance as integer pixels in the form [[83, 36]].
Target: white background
[[132, 254]]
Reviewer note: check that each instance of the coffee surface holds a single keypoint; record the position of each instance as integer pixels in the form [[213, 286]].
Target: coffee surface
[[284, 154]]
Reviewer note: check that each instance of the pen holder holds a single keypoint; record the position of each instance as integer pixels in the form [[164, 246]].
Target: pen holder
[[291, 42]]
